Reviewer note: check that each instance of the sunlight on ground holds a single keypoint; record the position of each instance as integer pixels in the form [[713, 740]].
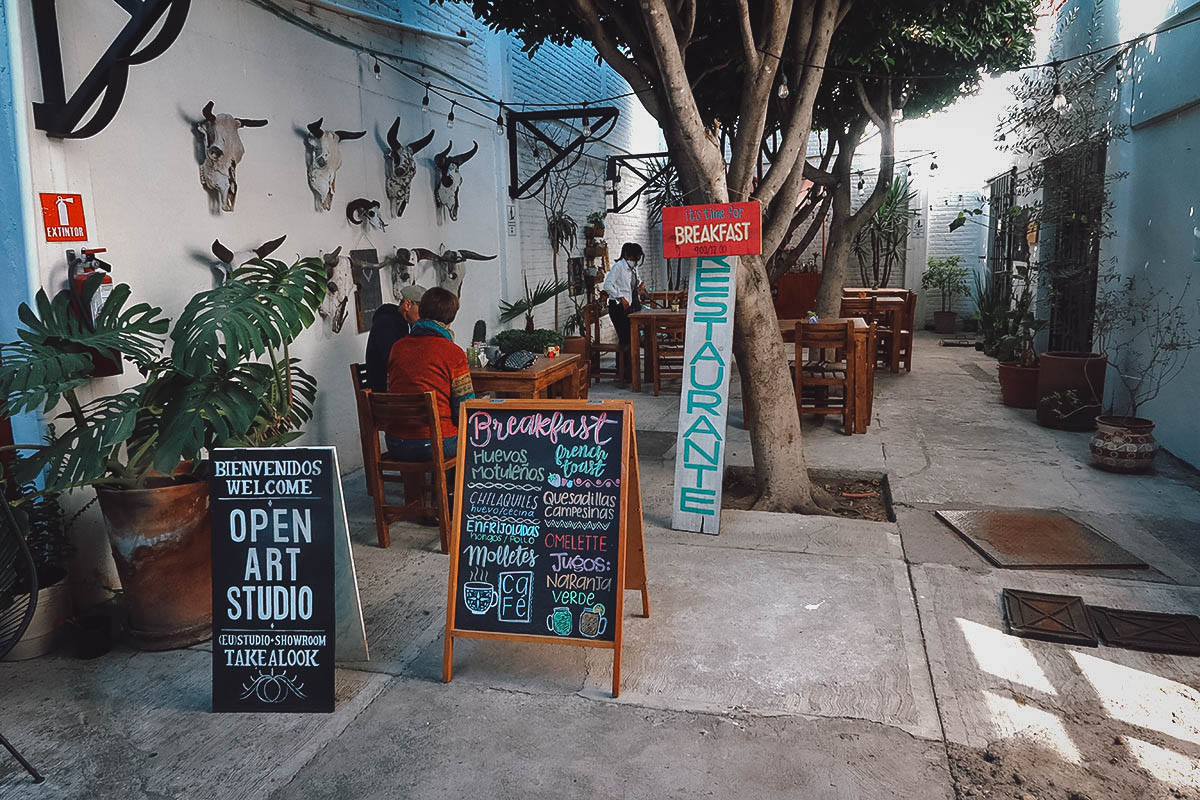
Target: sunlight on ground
[[1011, 719], [1004, 656], [1144, 699], [1165, 765]]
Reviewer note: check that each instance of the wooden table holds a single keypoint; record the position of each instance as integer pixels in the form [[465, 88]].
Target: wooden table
[[646, 319], [665, 297], [861, 361], [535, 381]]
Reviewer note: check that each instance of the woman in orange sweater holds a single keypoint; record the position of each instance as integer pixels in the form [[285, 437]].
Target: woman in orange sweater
[[428, 360]]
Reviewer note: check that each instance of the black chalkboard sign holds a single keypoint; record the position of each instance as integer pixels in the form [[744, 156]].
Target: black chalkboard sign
[[541, 518], [273, 579]]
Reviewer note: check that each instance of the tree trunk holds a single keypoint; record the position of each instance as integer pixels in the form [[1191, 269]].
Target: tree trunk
[[554, 264], [837, 263], [774, 425]]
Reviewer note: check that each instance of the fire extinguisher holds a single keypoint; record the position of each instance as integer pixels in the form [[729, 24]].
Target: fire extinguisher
[[79, 269]]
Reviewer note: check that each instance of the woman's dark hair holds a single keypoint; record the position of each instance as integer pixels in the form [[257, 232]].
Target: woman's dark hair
[[632, 251], [439, 305]]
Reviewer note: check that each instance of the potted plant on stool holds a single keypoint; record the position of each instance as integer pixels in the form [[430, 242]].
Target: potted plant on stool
[[949, 278], [139, 448], [1147, 337]]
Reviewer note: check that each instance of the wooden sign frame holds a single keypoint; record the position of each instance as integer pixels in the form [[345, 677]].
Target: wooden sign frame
[[631, 545]]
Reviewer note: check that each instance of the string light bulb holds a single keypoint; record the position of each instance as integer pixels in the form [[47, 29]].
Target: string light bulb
[[587, 124], [450, 116], [933, 165], [1059, 101], [378, 71], [425, 101], [500, 121]]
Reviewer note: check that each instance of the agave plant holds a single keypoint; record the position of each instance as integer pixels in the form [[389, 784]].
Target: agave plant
[[880, 244], [228, 379]]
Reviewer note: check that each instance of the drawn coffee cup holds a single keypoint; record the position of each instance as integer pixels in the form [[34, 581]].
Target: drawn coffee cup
[[560, 621], [592, 622], [479, 596]]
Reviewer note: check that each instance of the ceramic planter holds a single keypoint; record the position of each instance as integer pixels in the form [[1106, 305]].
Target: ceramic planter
[[1124, 444], [1018, 385], [944, 321], [1070, 386], [45, 629], [161, 541]]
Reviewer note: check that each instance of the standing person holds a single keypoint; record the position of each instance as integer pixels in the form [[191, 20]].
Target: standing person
[[390, 324], [625, 291], [428, 360]]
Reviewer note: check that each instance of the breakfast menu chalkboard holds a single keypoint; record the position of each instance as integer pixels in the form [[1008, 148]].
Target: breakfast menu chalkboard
[[542, 512]]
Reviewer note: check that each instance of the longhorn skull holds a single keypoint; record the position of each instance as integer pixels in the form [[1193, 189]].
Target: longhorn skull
[[450, 177], [401, 167], [222, 151], [450, 274], [323, 151], [228, 260], [365, 212], [340, 279]]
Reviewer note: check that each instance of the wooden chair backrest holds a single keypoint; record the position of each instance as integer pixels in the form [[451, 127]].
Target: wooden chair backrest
[[859, 306], [591, 321], [824, 334], [358, 375], [910, 310], [391, 410]]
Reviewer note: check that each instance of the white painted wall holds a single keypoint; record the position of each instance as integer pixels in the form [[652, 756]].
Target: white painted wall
[[144, 202]]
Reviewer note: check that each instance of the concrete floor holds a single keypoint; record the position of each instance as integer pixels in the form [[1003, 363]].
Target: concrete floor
[[798, 657]]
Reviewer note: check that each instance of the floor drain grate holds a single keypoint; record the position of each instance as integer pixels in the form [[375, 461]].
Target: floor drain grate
[[1145, 630]]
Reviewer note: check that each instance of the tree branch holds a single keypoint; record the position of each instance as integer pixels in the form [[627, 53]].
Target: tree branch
[[749, 49], [624, 66]]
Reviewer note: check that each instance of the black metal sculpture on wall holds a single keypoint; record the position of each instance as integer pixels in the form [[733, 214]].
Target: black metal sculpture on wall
[[60, 116]]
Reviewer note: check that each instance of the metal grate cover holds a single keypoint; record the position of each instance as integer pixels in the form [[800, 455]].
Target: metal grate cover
[[1032, 538], [1145, 630], [1050, 617]]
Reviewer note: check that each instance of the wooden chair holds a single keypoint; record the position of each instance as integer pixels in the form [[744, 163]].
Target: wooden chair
[[377, 413], [906, 330], [828, 366], [867, 308], [593, 313], [666, 351]]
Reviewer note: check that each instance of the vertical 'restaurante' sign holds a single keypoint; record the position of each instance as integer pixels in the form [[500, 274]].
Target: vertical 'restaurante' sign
[[273, 579], [715, 235]]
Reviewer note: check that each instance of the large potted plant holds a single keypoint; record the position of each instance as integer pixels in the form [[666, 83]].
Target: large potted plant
[[949, 278], [39, 518], [993, 301], [1147, 335], [227, 380], [1018, 368]]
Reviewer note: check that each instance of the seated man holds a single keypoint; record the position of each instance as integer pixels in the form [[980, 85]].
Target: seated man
[[428, 360], [390, 324]]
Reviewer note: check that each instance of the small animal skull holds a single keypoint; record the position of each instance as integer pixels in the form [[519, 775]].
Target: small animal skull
[[365, 212], [229, 260], [223, 151], [401, 167], [324, 158], [340, 282], [450, 274], [450, 178]]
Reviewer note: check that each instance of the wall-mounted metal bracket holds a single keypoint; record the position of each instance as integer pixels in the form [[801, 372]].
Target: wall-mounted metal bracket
[[649, 168], [59, 116], [601, 120]]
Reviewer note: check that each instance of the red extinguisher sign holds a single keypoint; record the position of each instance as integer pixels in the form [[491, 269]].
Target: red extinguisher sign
[[62, 217]]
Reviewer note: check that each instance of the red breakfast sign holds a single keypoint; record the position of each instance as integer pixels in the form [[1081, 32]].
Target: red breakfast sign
[[62, 217], [722, 229]]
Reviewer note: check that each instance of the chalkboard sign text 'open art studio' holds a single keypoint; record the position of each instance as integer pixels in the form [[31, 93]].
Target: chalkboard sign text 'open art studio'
[[542, 516]]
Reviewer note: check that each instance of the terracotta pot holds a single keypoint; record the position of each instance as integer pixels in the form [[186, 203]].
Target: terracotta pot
[[945, 321], [46, 628], [1070, 386], [1018, 385], [161, 540], [1124, 444]]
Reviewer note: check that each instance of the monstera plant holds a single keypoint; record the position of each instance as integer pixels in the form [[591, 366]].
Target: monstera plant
[[223, 377]]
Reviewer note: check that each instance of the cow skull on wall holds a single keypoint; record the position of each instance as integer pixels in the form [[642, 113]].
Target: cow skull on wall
[[229, 260], [448, 264], [340, 277], [450, 178], [400, 264], [366, 213], [223, 151], [401, 167], [323, 151]]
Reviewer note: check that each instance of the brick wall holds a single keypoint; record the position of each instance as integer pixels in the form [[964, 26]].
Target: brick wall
[[969, 241]]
